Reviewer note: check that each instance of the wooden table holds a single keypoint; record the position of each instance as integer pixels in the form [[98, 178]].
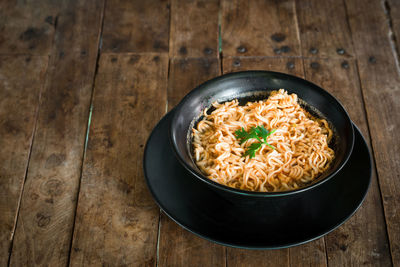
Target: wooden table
[[83, 83]]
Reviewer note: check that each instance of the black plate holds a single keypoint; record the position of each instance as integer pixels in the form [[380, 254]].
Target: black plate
[[255, 224]]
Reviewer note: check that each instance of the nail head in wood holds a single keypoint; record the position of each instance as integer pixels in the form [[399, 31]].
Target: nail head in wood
[[313, 50], [278, 37], [241, 49], [340, 51]]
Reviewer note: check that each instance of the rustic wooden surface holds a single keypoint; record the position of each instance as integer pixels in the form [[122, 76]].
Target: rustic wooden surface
[[112, 175], [19, 101], [82, 84], [194, 31], [172, 237], [48, 203]]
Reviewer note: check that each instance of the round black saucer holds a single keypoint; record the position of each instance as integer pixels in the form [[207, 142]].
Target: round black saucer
[[254, 224]]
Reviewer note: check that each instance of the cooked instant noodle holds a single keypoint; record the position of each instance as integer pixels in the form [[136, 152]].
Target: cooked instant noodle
[[292, 156]]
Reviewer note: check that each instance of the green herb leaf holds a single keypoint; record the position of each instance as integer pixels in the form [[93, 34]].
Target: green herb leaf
[[243, 136], [263, 133], [252, 150], [259, 133]]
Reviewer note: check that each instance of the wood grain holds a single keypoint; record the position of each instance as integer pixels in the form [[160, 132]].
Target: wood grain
[[271, 258], [27, 27], [309, 254], [180, 83], [324, 31], [259, 28], [293, 66], [393, 14], [136, 26], [361, 241], [178, 247], [19, 102], [380, 83], [117, 220], [45, 221], [194, 28]]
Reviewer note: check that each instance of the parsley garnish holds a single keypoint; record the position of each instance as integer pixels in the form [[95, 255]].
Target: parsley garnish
[[259, 133]]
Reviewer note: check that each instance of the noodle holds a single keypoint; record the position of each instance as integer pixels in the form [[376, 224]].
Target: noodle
[[301, 151]]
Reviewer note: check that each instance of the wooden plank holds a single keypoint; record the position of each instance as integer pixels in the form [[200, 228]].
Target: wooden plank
[[194, 33], [281, 257], [136, 26], [393, 14], [117, 219], [271, 258], [179, 83], [19, 102], [380, 83], [194, 28], [45, 222], [259, 28], [27, 27], [293, 66], [310, 254], [324, 31], [178, 247], [362, 240]]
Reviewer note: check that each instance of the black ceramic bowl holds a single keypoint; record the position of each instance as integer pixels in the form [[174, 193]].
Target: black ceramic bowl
[[252, 86]]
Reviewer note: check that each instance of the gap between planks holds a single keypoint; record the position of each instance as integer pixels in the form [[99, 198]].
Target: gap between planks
[[87, 130], [391, 34], [395, 51], [27, 164], [372, 151]]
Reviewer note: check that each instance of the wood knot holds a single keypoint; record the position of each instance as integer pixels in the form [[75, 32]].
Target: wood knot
[[34, 196], [42, 220], [53, 188]]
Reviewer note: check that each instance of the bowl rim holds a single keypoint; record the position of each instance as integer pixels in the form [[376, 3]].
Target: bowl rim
[[257, 194]]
